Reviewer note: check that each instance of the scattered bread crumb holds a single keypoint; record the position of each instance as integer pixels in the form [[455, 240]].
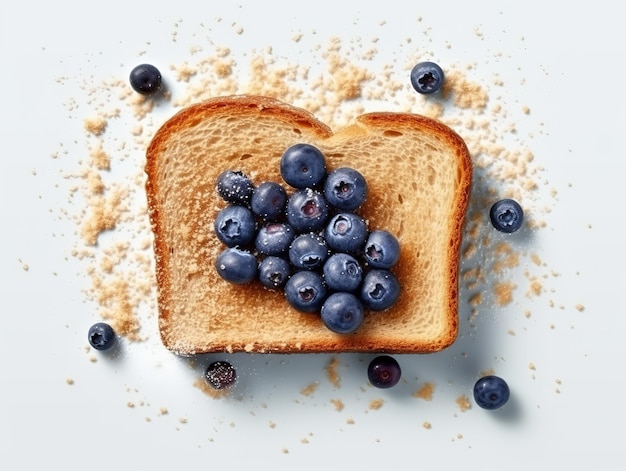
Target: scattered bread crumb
[[338, 404], [425, 392], [464, 403]]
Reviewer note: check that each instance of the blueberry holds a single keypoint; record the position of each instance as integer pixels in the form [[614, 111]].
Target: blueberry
[[381, 249], [308, 251], [235, 225], [274, 272], [342, 313], [307, 210], [303, 166], [145, 79], [101, 336], [235, 187], [268, 201], [491, 392], [380, 290], [342, 272], [274, 238], [236, 265], [220, 375], [345, 189], [506, 215], [427, 77], [384, 372], [346, 232], [305, 291]]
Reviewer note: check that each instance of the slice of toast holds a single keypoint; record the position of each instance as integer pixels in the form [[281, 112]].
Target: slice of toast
[[418, 173]]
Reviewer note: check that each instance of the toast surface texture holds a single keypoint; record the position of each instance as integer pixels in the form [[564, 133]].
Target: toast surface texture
[[419, 177]]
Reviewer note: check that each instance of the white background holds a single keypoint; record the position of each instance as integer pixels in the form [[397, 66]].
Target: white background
[[112, 415]]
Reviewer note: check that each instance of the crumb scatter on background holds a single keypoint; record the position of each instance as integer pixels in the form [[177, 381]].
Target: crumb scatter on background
[[110, 216]]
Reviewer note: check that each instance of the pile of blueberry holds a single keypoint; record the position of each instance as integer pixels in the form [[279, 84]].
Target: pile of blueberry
[[309, 242]]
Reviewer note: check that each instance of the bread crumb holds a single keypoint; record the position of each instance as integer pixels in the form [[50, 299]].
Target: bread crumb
[[332, 372], [310, 389], [425, 392], [69, 381], [95, 125], [504, 292], [350, 421], [464, 403], [338, 404], [206, 388], [580, 307], [427, 425], [376, 404], [272, 424]]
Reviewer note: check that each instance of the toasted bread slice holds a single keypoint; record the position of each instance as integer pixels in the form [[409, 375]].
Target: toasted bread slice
[[419, 176]]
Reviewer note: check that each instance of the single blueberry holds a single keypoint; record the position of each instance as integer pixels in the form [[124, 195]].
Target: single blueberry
[[235, 187], [308, 251], [274, 272], [305, 291], [491, 392], [220, 374], [274, 238], [303, 166], [235, 225], [381, 249], [342, 272], [342, 313], [380, 289], [236, 265], [427, 77], [101, 336], [506, 215], [346, 232], [345, 189], [384, 372], [307, 210], [268, 201], [145, 79]]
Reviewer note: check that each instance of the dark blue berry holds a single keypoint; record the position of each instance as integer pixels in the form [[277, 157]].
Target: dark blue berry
[[491, 392], [305, 291], [342, 313], [303, 166], [346, 232], [308, 251], [380, 290], [235, 225], [145, 79], [235, 187], [427, 77], [345, 189], [381, 249], [236, 265], [307, 210], [274, 238], [220, 375], [268, 201], [101, 336], [506, 215], [274, 272], [342, 272], [384, 372]]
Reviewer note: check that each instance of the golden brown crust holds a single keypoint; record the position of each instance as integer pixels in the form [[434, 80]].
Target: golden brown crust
[[184, 330]]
